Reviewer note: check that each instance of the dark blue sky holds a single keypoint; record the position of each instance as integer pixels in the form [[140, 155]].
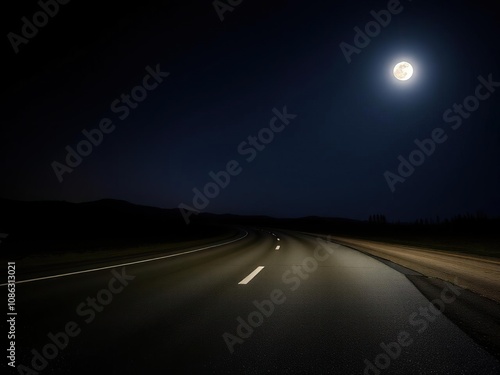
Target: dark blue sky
[[353, 119]]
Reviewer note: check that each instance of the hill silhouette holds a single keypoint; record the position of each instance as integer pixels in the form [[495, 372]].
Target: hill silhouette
[[57, 226]]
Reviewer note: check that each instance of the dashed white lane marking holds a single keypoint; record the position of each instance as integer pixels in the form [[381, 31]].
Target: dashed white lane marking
[[278, 247], [254, 273]]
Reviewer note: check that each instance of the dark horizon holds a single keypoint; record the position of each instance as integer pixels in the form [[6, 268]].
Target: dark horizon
[[378, 217]]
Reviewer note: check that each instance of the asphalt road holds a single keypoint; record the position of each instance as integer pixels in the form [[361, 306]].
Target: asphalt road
[[247, 307]]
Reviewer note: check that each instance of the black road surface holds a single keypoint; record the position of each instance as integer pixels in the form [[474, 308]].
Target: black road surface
[[315, 307]]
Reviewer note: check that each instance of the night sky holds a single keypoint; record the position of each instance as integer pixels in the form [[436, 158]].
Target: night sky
[[225, 78]]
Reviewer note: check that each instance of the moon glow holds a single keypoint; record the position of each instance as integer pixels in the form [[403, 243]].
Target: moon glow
[[403, 71]]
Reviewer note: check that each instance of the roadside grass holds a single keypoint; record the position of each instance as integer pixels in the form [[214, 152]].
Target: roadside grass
[[100, 253], [485, 246]]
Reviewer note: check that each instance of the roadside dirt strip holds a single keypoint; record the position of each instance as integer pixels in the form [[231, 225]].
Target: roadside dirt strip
[[476, 273]]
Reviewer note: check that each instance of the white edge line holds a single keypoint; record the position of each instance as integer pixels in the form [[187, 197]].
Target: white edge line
[[126, 264], [254, 273]]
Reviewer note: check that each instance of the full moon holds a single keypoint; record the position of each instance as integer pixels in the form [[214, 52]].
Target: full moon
[[403, 71]]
